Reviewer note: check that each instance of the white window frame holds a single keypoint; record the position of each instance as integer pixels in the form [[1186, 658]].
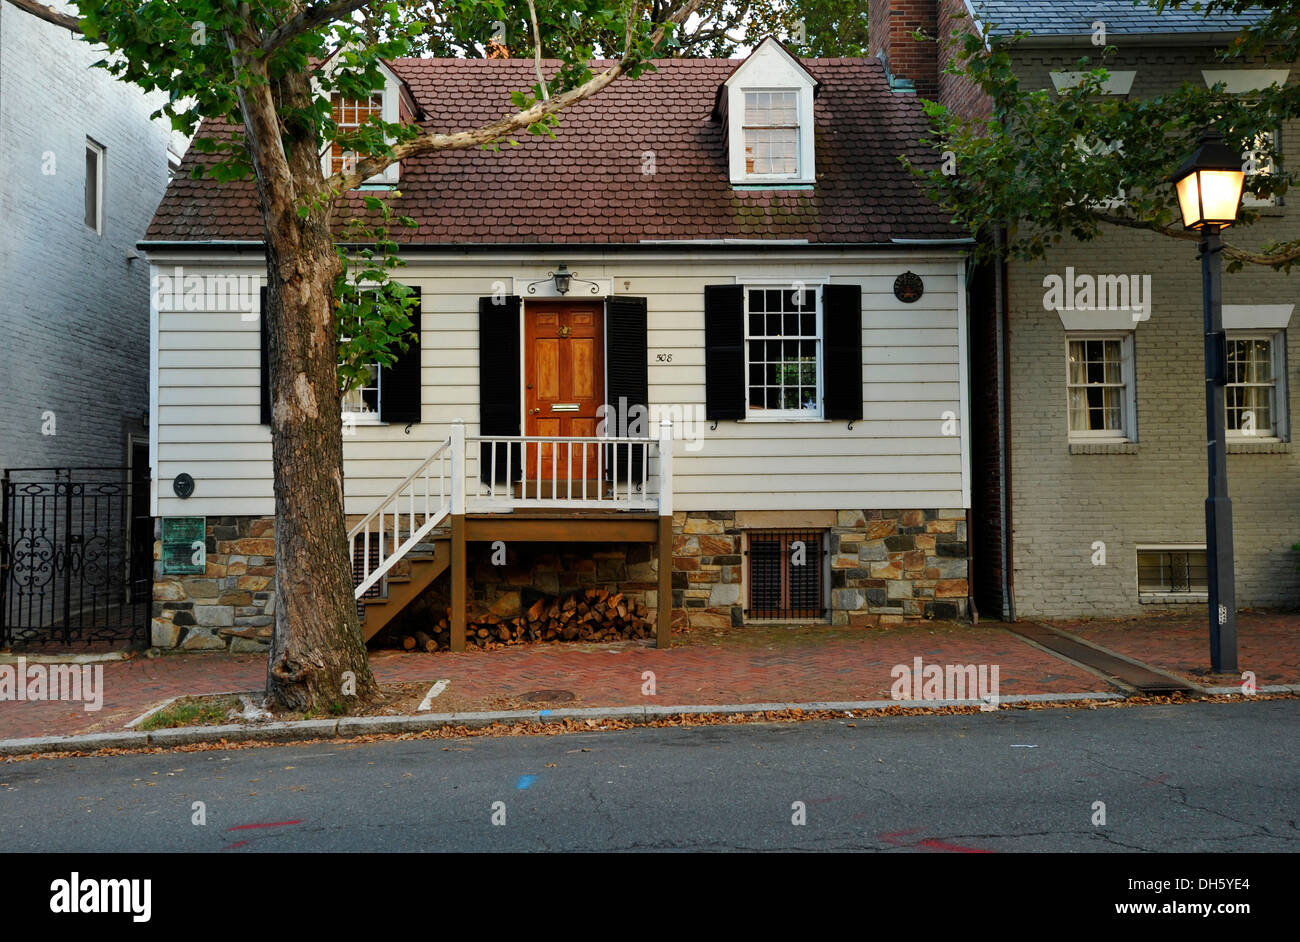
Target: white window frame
[[1127, 375], [746, 127], [366, 418], [1255, 202], [787, 415], [1167, 597], [98, 149], [390, 97], [770, 68], [1277, 353]]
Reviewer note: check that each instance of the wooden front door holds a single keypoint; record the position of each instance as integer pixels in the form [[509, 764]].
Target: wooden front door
[[564, 385]]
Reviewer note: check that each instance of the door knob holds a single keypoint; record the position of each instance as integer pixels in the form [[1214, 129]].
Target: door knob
[[534, 411]]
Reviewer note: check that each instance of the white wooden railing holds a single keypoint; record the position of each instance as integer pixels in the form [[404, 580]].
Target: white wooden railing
[[506, 472], [549, 472], [403, 518]]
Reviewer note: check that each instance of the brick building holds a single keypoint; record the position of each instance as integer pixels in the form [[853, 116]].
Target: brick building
[[1056, 480]]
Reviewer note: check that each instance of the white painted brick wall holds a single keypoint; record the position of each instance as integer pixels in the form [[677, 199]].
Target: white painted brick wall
[[1062, 503], [74, 315]]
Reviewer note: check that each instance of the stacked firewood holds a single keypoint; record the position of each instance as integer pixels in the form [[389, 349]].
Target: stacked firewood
[[584, 615]]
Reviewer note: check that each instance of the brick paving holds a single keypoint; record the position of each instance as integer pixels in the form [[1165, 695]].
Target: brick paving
[[750, 665], [1268, 643]]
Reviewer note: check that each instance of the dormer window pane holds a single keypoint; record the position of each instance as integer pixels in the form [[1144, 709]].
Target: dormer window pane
[[351, 113], [772, 133]]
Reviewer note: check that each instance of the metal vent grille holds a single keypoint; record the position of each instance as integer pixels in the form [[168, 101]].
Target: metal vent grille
[[786, 574]]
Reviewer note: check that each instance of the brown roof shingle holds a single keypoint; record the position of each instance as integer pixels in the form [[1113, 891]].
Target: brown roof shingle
[[588, 185]]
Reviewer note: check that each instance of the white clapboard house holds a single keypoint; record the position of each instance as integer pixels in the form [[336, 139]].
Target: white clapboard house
[[706, 348]]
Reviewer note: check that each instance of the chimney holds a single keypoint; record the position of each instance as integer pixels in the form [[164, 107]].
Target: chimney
[[911, 65]]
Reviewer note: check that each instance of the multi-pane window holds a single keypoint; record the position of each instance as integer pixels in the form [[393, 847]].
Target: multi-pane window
[[785, 574], [1256, 162], [363, 400], [1100, 388], [783, 350], [349, 114], [1250, 396], [1163, 572], [94, 186], [772, 133]]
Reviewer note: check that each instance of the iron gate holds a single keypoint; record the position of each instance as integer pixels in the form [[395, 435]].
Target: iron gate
[[76, 555]]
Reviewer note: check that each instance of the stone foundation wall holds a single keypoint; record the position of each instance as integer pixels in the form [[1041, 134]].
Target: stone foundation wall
[[231, 605], [885, 566]]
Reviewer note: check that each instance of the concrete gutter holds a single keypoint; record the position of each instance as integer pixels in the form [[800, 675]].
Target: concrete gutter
[[396, 725]]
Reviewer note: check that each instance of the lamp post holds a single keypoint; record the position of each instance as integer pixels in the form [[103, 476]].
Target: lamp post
[[1209, 185]]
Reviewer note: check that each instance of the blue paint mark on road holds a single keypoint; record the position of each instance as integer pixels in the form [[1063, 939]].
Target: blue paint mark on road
[[525, 781], [543, 712]]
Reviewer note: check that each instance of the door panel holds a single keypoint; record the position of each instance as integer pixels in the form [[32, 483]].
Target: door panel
[[564, 378]]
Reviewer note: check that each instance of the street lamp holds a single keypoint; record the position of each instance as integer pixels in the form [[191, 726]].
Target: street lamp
[[1209, 185]]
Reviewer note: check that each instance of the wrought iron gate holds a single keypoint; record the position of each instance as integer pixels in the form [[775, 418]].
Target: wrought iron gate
[[76, 555]]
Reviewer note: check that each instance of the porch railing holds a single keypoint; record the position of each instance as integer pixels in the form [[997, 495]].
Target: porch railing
[[402, 519], [498, 473]]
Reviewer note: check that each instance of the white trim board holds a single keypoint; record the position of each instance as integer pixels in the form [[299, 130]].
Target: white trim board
[[1119, 83], [1257, 316], [1239, 81]]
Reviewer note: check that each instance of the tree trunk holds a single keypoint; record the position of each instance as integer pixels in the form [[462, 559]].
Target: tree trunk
[[317, 640]]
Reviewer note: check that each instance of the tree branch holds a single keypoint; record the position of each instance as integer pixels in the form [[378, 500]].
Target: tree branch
[[342, 181], [49, 14], [308, 19], [1288, 254], [537, 51]]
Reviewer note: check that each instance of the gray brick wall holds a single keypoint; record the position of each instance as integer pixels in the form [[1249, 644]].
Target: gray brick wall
[[74, 314], [1063, 502]]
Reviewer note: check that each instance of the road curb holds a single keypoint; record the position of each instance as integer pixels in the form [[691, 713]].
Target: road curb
[[348, 727]]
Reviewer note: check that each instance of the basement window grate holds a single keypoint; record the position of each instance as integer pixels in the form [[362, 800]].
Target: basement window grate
[[786, 574]]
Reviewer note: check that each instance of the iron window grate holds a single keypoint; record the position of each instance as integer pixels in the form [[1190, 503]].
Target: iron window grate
[[786, 574], [1172, 572]]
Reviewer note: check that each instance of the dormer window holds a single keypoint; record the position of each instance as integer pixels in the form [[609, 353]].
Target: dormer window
[[772, 133], [767, 106], [391, 103], [349, 114]]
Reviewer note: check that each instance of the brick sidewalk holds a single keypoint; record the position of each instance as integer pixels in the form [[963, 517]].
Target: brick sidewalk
[[751, 665], [1268, 643]]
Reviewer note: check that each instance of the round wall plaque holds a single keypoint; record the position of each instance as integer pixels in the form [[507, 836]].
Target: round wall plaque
[[183, 485], [908, 287]]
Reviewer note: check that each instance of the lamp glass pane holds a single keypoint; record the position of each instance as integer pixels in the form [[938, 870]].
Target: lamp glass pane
[[1189, 201], [1221, 194]]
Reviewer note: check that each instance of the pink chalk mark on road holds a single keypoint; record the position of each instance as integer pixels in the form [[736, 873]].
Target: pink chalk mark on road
[[268, 824], [929, 843]]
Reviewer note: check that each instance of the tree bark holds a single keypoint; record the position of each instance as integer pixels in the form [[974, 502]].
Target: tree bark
[[317, 638]]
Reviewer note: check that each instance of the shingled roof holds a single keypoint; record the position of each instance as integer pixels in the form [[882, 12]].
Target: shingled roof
[[590, 185], [1122, 18]]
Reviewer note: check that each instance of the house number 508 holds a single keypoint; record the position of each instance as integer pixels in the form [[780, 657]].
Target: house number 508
[[664, 357]]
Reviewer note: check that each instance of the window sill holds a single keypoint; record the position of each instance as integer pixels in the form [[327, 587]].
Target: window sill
[[1174, 598], [1262, 446], [757, 419], [773, 185], [1103, 448], [362, 418]]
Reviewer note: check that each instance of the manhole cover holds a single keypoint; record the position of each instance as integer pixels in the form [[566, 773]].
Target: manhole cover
[[547, 696]]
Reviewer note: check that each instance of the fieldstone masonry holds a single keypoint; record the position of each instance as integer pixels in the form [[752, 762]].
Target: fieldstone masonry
[[885, 566], [231, 605]]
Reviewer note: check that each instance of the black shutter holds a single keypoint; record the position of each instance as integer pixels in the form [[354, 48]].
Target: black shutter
[[400, 384], [627, 378], [500, 400], [264, 363], [842, 328], [724, 352]]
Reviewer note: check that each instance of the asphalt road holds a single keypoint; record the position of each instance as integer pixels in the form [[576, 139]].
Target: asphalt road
[[1200, 777]]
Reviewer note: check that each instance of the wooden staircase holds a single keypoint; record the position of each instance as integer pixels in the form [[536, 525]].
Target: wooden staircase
[[403, 583]]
